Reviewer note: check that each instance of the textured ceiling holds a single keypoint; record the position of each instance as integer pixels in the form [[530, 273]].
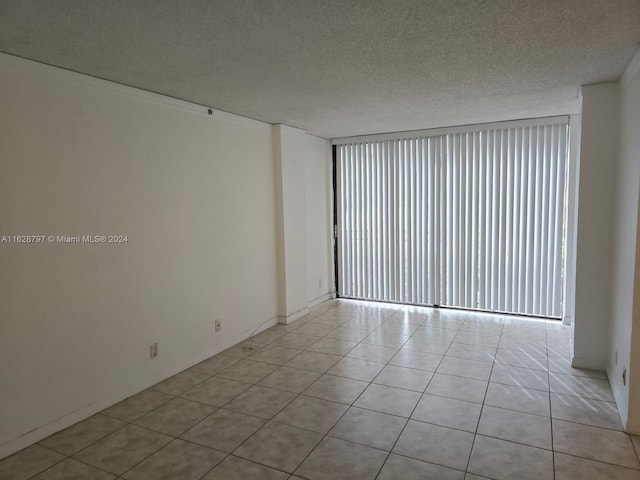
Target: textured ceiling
[[339, 68]]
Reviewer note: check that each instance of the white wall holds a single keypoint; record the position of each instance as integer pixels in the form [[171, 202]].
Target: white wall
[[304, 189], [633, 374], [597, 178], [319, 218], [289, 156], [194, 193], [624, 305], [607, 305]]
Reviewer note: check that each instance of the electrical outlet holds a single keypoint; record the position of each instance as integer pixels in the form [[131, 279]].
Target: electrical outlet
[[218, 325], [624, 376], [616, 357], [153, 350]]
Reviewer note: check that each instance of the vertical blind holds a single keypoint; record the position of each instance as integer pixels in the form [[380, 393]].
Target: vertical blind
[[469, 219]]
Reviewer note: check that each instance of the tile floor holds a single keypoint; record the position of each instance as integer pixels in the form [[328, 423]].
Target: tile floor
[[360, 391]]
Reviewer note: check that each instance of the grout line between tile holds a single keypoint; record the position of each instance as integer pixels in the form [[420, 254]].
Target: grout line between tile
[[346, 317], [553, 456], [407, 420], [65, 457], [473, 443]]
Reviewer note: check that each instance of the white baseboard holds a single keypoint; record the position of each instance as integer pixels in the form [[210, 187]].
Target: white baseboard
[[294, 316], [287, 319], [320, 299], [623, 408], [588, 363], [16, 444], [632, 429]]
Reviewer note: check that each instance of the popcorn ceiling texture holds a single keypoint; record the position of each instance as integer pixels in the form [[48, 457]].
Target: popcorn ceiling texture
[[339, 67]]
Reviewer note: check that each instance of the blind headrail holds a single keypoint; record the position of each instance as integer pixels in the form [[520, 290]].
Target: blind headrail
[[434, 132]]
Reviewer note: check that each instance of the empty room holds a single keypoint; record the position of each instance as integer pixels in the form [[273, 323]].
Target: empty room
[[321, 240]]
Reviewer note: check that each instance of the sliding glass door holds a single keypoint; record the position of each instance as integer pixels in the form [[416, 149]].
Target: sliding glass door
[[469, 218]]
